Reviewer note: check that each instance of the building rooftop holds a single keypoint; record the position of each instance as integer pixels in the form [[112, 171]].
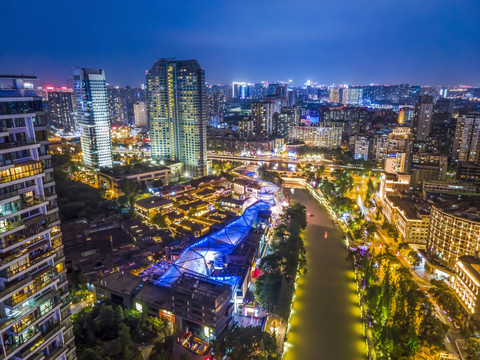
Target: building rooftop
[[152, 294], [153, 202], [231, 200], [135, 169], [459, 208], [472, 265], [120, 282], [413, 209], [200, 286]]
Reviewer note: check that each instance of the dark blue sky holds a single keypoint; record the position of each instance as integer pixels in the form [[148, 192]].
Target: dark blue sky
[[336, 41]]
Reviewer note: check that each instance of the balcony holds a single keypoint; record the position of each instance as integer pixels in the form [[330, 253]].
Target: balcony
[[32, 228], [9, 195], [57, 352], [29, 336], [33, 310], [18, 144], [33, 261], [21, 206], [46, 277]]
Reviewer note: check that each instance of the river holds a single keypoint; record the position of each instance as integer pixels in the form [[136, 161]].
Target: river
[[326, 322]]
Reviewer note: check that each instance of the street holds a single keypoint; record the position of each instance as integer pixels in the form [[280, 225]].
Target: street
[[325, 322]]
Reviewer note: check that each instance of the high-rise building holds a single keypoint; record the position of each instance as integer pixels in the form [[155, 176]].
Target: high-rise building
[[323, 135], [117, 105], [423, 117], [90, 87], [453, 232], [362, 148], [216, 102], [466, 143], [262, 115], [240, 90], [380, 147], [177, 111], [245, 127], [352, 96], [140, 111], [335, 95], [60, 107], [34, 306], [399, 152]]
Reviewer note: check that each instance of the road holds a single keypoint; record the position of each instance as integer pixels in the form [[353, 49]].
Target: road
[[325, 321]]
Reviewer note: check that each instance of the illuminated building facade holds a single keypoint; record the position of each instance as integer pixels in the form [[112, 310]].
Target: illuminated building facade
[[176, 107], [93, 119], [352, 96], [399, 152], [466, 144], [423, 117], [325, 135], [60, 107], [466, 284], [262, 115], [453, 233], [34, 306]]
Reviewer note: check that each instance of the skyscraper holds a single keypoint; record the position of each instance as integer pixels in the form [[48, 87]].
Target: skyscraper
[[466, 144], [352, 96], [34, 306], [90, 87], [399, 151], [176, 107], [60, 107], [423, 117], [262, 115], [140, 111]]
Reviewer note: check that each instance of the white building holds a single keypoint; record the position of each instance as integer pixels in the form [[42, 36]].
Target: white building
[[352, 96], [362, 148], [140, 113], [93, 118], [380, 147], [400, 143]]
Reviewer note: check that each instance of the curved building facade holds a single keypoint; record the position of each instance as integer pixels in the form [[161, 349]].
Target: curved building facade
[[452, 234]]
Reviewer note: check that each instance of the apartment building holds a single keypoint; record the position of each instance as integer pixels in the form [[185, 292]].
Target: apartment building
[[34, 306]]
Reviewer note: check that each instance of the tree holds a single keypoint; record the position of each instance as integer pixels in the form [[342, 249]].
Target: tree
[[249, 343], [130, 188], [473, 349], [159, 220], [320, 171], [124, 338], [414, 258], [197, 229], [90, 354], [155, 329], [157, 183]]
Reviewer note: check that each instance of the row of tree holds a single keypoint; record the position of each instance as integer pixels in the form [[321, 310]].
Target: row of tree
[[400, 315], [275, 287]]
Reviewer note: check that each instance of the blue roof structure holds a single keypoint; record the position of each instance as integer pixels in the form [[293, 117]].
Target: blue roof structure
[[196, 258]]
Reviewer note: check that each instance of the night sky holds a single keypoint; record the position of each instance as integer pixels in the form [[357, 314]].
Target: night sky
[[337, 41]]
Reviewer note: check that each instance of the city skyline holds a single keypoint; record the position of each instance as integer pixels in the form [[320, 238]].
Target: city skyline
[[432, 43]]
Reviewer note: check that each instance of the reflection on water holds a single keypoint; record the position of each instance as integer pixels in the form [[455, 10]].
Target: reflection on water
[[325, 321]]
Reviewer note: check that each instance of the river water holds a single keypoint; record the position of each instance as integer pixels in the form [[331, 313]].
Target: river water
[[326, 322]]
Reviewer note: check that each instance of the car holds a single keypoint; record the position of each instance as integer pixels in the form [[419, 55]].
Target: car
[[309, 214]]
